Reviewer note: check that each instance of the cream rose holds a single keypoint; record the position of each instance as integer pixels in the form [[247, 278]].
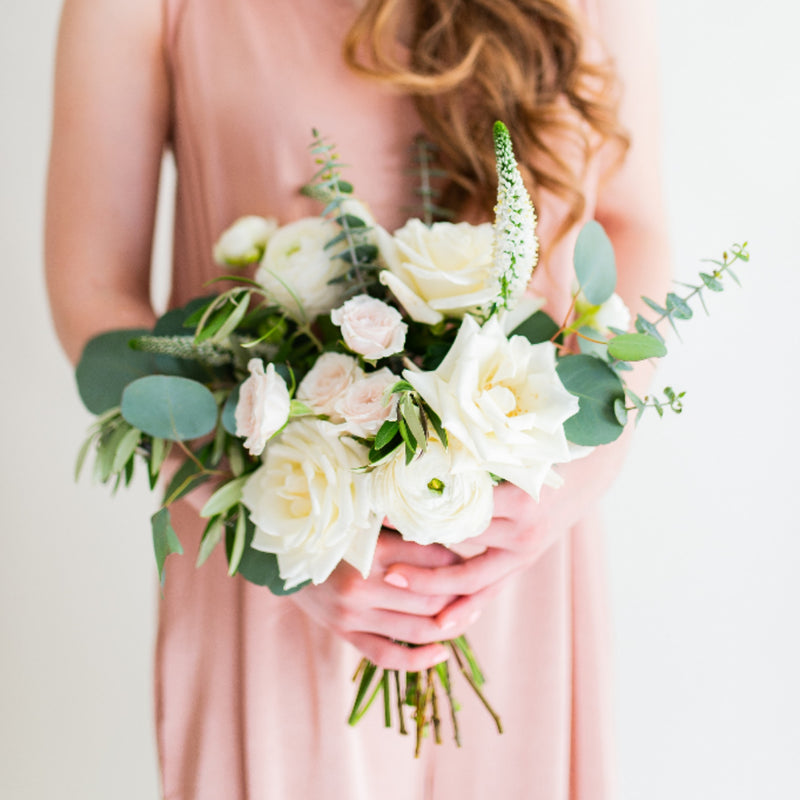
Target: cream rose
[[263, 406], [439, 271], [327, 381], [297, 269], [370, 327], [245, 241], [363, 406], [308, 505], [503, 400], [443, 496]]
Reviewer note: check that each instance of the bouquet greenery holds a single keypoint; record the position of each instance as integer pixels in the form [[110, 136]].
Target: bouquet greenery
[[363, 376]]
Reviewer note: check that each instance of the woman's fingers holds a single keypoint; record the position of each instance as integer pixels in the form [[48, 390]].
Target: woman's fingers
[[394, 655], [391, 548], [466, 577]]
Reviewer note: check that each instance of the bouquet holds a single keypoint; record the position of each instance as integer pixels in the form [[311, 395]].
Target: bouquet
[[364, 376]]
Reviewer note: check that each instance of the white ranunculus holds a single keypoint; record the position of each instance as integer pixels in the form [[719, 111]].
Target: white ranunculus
[[363, 406], [611, 314], [308, 505], [245, 241], [439, 271], [443, 496], [370, 327], [297, 269], [503, 400], [263, 406], [327, 381]]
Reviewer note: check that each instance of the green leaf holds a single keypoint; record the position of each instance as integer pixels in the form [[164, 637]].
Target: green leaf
[[165, 540], [211, 538], [159, 450], [257, 567], [237, 550], [82, 453], [636, 347], [678, 307], [595, 265], [385, 434], [188, 477], [107, 366], [169, 407], [539, 327], [126, 448], [655, 306], [645, 326], [241, 305], [351, 220], [229, 411], [620, 411], [597, 388], [711, 282], [227, 496], [364, 254], [413, 419]]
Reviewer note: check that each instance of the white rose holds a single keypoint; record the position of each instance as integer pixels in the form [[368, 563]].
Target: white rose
[[308, 505], [297, 269], [370, 327], [263, 406], [503, 400], [329, 378], [439, 271], [245, 241], [443, 496], [363, 406]]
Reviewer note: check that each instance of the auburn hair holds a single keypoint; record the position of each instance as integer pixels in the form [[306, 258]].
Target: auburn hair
[[471, 62]]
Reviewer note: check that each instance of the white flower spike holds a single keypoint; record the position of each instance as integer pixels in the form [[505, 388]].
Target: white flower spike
[[516, 248]]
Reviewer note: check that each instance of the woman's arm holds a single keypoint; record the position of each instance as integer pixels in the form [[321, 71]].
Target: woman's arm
[[110, 124]]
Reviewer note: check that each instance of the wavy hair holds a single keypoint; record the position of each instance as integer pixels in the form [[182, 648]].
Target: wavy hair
[[470, 62]]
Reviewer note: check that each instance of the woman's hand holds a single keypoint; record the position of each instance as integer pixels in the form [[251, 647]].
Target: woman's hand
[[375, 616]]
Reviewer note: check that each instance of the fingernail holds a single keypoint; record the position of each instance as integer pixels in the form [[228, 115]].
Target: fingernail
[[447, 624], [443, 655], [474, 617], [395, 579]]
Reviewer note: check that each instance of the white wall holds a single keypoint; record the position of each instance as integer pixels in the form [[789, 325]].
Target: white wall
[[703, 534]]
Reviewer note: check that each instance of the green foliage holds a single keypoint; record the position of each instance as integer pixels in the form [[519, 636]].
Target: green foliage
[[427, 189], [107, 366], [165, 540], [636, 347], [671, 401], [595, 263], [170, 407], [539, 327], [255, 566], [226, 497], [597, 388]]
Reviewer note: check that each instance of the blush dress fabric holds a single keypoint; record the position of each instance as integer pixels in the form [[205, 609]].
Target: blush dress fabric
[[251, 696]]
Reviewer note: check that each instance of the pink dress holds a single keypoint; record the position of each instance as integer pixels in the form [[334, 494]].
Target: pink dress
[[251, 696]]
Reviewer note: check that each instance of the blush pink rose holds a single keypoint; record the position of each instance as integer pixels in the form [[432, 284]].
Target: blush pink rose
[[370, 327], [363, 406], [263, 406], [326, 382]]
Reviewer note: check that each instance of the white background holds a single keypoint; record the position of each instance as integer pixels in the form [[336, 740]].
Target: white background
[[703, 529]]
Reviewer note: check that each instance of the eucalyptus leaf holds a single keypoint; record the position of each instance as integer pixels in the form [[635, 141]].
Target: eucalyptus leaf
[[258, 567], [595, 265], [107, 366], [169, 407], [539, 327], [165, 540], [645, 326], [636, 347], [597, 388], [678, 307], [229, 411]]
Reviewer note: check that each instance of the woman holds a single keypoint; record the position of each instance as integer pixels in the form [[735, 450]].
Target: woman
[[252, 690]]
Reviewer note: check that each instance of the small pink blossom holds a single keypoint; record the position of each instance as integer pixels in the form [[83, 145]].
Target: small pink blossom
[[370, 327], [363, 406], [326, 382], [263, 406]]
